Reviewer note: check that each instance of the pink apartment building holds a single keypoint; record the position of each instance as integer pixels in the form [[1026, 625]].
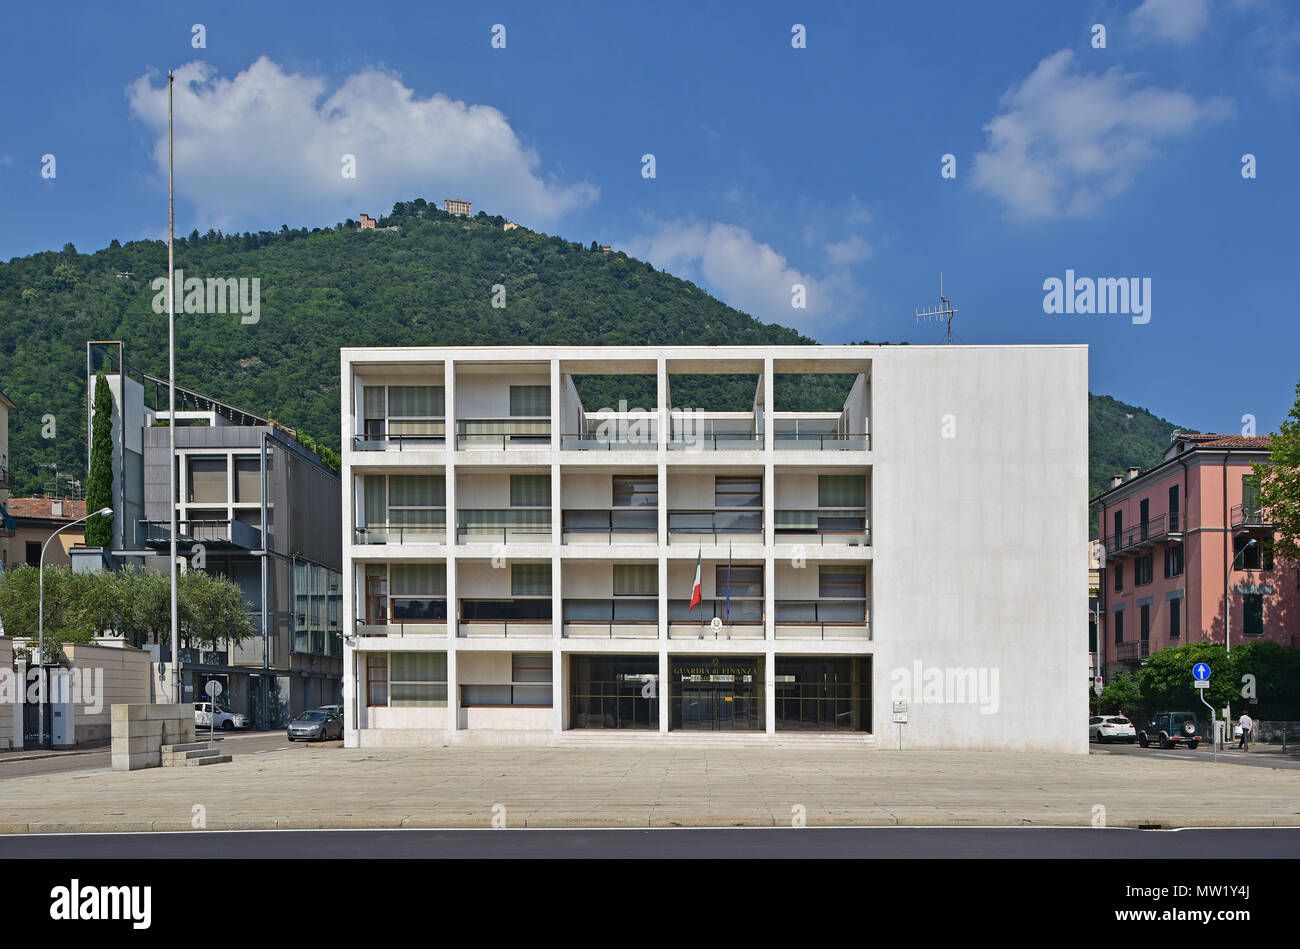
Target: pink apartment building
[[1188, 555]]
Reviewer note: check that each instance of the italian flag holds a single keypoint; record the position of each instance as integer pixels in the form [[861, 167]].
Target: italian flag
[[695, 591]]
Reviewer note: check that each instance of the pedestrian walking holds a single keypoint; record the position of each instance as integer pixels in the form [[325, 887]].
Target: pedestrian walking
[[1246, 724]]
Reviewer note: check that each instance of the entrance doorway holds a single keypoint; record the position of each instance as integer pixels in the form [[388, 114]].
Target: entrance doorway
[[717, 693]]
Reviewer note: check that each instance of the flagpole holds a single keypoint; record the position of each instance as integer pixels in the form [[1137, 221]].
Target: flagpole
[[171, 382]]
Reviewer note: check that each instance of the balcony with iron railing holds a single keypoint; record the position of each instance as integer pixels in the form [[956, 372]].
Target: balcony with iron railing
[[487, 434], [1163, 529], [623, 618], [827, 441], [740, 526], [433, 532], [407, 616], [823, 526], [1250, 515], [517, 617], [1131, 652], [213, 533], [743, 620], [395, 441], [620, 525], [504, 526]]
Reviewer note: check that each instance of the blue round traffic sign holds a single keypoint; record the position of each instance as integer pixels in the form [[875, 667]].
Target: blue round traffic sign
[[1201, 670]]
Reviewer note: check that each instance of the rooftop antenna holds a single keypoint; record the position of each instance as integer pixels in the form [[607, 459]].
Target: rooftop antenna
[[944, 311]]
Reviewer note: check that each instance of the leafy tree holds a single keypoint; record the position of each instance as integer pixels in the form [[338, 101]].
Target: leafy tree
[[1279, 485], [99, 485], [1166, 679], [1123, 692]]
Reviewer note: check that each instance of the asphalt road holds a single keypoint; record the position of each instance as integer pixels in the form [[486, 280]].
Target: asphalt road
[[675, 843], [1204, 753]]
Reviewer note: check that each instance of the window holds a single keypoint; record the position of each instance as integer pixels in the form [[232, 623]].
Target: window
[[530, 667], [1144, 621], [738, 492], [417, 500], [841, 581], [1174, 560], [1119, 529], [1175, 619], [207, 478], [636, 491], [34, 553], [1173, 509], [1250, 493], [1253, 624], [1144, 515], [418, 679], [530, 400], [248, 479], [746, 581], [1119, 626], [1143, 570], [1252, 556], [372, 405], [636, 579], [407, 410], [418, 579], [530, 490], [1119, 577], [530, 579], [841, 491], [376, 679]]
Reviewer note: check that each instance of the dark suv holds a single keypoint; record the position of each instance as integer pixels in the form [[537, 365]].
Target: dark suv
[[1171, 729]]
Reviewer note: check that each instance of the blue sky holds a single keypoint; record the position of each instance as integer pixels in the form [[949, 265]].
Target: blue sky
[[773, 165]]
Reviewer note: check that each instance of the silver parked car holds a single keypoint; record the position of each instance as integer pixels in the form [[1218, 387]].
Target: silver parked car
[[316, 724]]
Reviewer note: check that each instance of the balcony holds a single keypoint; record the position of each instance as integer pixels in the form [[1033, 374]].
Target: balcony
[[4, 476], [834, 441], [523, 617], [414, 626], [432, 533], [624, 618], [822, 619], [743, 621], [498, 434], [1165, 529], [823, 526], [715, 526], [212, 533], [617, 440], [1131, 652], [622, 525], [398, 442], [1249, 515], [722, 441], [504, 526]]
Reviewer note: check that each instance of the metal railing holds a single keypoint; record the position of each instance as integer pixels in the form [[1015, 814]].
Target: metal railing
[[714, 523], [837, 441], [382, 627], [404, 442], [591, 441], [1134, 650], [227, 531], [518, 628], [1164, 528], [525, 525], [828, 630], [611, 629], [723, 442], [748, 629], [502, 433], [1249, 515], [402, 534], [623, 523], [828, 525]]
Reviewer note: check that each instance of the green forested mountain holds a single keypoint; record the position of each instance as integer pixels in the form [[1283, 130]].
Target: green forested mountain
[[1121, 436], [430, 281]]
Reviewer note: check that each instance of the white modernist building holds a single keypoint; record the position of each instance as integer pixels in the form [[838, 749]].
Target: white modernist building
[[522, 568]]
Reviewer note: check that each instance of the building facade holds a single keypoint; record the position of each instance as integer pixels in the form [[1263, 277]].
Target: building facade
[[8, 527], [521, 567], [1187, 555], [252, 505], [35, 520], [456, 206]]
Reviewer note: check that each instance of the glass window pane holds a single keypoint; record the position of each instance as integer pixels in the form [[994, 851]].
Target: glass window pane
[[738, 492], [841, 491], [376, 512], [248, 479], [636, 491], [372, 398], [207, 480], [417, 490], [419, 579], [416, 401], [530, 490], [530, 579], [530, 667], [636, 579], [530, 400], [418, 667]]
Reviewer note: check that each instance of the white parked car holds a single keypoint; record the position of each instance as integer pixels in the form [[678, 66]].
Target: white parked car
[[1106, 728], [205, 712]]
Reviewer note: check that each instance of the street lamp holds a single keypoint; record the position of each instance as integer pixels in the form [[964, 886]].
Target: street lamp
[[40, 622], [1227, 594]]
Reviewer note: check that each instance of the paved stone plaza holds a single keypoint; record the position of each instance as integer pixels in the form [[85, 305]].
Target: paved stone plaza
[[322, 787]]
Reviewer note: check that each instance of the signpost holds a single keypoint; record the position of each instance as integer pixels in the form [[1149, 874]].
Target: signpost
[[1097, 685], [1201, 680], [213, 689], [900, 719]]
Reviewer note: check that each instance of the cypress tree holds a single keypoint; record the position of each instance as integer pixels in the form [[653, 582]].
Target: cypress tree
[[99, 485]]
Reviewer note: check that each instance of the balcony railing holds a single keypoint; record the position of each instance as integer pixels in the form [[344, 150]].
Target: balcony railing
[[1249, 515], [381, 627], [748, 629], [838, 441], [1135, 650], [504, 525], [611, 629], [616, 441], [701, 525], [828, 618], [400, 442], [402, 534], [509, 628], [825, 525], [623, 525], [1166, 528], [725, 441], [498, 433], [221, 533]]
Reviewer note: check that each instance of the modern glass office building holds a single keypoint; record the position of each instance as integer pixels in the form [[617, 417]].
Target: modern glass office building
[[696, 550]]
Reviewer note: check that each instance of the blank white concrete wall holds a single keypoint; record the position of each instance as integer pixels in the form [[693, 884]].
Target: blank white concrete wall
[[488, 395]]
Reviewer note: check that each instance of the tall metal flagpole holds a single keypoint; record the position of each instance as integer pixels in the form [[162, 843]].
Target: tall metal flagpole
[[171, 383]]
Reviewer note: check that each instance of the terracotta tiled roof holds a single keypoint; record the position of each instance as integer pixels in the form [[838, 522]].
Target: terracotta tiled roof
[[40, 507], [1227, 441]]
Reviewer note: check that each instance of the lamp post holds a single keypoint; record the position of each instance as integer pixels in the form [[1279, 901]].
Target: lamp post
[[40, 621], [1227, 595]]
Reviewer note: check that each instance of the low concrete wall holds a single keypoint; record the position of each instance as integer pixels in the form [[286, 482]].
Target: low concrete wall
[[140, 731], [120, 677], [1272, 731]]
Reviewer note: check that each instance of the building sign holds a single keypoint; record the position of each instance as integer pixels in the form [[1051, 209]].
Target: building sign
[[1257, 588]]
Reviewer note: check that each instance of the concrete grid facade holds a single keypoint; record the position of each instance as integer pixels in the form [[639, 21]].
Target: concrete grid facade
[[926, 542]]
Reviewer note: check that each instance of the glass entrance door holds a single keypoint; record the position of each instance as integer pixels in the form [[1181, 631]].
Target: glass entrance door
[[717, 693]]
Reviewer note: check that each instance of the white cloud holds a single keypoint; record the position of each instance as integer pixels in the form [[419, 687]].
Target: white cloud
[[744, 272], [266, 147], [852, 250], [1067, 141], [1178, 21]]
